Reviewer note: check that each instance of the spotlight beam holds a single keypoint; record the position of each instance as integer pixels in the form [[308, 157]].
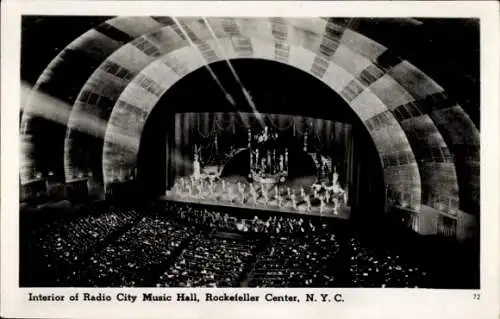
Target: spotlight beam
[[247, 95], [57, 111], [226, 93]]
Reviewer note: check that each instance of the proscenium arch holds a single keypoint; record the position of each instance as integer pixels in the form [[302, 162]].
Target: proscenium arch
[[168, 132], [324, 38]]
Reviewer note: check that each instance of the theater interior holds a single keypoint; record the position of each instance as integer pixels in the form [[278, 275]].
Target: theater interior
[[249, 152]]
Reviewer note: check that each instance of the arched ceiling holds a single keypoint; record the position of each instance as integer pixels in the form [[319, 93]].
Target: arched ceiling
[[428, 144]]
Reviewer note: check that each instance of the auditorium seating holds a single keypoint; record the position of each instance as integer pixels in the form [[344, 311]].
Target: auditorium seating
[[148, 243], [296, 262], [370, 268], [181, 245], [210, 262], [61, 245]]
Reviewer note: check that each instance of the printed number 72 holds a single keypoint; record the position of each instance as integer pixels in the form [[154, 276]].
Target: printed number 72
[[476, 296]]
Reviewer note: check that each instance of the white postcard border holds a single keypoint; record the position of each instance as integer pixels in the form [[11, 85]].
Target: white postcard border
[[374, 303]]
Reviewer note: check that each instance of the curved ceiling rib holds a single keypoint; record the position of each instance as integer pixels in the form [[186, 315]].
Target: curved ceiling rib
[[87, 51], [98, 96]]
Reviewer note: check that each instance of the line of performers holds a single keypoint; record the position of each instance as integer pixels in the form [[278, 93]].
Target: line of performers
[[329, 198]]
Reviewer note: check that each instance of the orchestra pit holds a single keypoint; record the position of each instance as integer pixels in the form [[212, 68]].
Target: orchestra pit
[[249, 152]]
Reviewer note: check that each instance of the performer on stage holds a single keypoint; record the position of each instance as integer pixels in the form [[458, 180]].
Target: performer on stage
[[335, 206], [211, 189], [294, 202], [280, 201], [327, 196], [253, 194], [335, 176], [177, 188], [308, 202], [196, 167], [322, 205], [199, 188], [241, 189], [266, 197]]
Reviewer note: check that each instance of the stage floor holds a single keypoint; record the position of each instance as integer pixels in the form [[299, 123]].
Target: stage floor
[[221, 198]]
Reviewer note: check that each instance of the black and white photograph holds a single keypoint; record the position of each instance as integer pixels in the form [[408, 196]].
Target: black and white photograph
[[201, 151], [249, 152]]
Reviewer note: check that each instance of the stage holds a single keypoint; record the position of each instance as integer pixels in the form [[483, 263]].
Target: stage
[[235, 191]]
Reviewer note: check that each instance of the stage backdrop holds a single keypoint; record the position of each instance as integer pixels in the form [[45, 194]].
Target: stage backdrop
[[219, 137]]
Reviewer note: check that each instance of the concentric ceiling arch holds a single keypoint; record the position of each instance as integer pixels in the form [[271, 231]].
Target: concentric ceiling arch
[[134, 60]]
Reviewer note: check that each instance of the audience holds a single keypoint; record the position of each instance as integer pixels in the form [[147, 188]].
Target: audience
[[297, 262], [61, 245], [209, 262], [194, 246], [148, 243], [369, 268], [213, 218]]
